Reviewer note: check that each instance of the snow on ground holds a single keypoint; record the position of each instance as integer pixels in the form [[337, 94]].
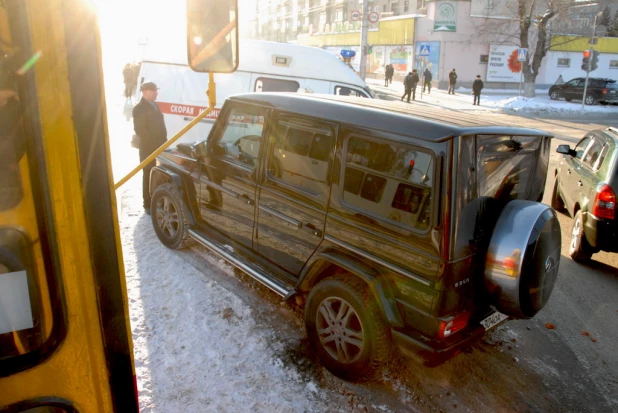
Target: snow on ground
[[500, 100], [197, 345]]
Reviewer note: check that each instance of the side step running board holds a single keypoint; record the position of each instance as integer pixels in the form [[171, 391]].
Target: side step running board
[[225, 254]]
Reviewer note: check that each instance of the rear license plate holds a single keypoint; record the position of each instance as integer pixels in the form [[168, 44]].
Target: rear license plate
[[493, 320]]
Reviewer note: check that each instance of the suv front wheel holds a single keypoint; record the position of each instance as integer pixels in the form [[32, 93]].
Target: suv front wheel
[[554, 95], [346, 328], [168, 218], [579, 249]]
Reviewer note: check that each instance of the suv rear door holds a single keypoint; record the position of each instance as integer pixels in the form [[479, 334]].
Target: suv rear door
[[570, 170], [294, 193], [586, 180]]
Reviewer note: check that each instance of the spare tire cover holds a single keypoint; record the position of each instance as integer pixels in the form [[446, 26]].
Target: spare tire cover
[[523, 258]]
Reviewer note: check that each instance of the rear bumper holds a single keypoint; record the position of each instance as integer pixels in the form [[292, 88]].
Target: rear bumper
[[433, 352], [601, 234]]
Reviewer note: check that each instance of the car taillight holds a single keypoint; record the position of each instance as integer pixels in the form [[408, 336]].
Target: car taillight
[[605, 91], [604, 203], [457, 323]]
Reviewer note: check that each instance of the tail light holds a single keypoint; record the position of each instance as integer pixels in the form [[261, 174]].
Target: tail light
[[605, 91], [605, 202], [457, 323]]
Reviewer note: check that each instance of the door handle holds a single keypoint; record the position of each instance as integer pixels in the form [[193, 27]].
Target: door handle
[[313, 229], [247, 200], [579, 183]]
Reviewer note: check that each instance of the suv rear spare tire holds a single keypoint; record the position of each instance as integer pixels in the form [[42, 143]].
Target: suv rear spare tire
[[523, 258]]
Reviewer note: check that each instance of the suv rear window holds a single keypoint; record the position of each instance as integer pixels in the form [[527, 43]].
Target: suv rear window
[[611, 85]]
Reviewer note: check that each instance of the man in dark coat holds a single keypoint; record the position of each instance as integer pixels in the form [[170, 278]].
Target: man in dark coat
[[452, 79], [427, 83], [477, 86], [410, 82], [150, 127], [390, 71]]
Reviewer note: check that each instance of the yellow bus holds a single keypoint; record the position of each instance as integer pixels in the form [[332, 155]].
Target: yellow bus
[[65, 339]]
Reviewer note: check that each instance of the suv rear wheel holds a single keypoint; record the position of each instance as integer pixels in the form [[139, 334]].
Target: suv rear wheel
[[346, 328], [590, 100], [579, 249], [168, 218]]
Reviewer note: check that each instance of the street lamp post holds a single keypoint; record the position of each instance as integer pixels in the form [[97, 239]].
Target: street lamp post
[[363, 49]]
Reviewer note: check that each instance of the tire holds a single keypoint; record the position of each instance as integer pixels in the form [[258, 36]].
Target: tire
[[554, 95], [557, 202], [590, 100], [579, 249], [168, 218], [357, 349]]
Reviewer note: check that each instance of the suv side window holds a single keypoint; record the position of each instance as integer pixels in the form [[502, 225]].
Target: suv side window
[[389, 180], [573, 83], [300, 153], [593, 153], [581, 147], [241, 140]]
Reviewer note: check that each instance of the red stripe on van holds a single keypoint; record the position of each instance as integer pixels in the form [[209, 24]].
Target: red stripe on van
[[185, 110]]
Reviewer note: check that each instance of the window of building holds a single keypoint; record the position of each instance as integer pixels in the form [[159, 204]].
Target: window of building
[[339, 15], [484, 58], [384, 8], [564, 62], [406, 6], [490, 4], [394, 7], [420, 4], [613, 64], [300, 154], [389, 181]]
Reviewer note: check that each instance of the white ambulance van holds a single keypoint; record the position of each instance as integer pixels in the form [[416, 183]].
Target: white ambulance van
[[265, 67]]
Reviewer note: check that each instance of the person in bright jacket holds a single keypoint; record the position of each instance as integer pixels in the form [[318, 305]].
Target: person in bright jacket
[[477, 86], [410, 82], [452, 79], [427, 77]]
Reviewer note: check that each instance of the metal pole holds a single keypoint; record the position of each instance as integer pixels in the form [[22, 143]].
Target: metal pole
[[521, 74], [364, 30], [594, 31]]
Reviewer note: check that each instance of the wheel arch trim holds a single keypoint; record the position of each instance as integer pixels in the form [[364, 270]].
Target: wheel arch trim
[[178, 182]]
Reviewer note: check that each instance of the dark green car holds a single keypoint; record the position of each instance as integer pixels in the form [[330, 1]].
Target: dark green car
[[586, 186]]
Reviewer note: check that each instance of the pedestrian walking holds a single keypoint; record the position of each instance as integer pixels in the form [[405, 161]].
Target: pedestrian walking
[[452, 80], [390, 70], [477, 86], [150, 128], [427, 76], [409, 83], [386, 75], [130, 80]]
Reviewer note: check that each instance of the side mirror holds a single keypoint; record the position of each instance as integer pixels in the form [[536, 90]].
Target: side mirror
[[199, 150], [565, 150], [212, 35]]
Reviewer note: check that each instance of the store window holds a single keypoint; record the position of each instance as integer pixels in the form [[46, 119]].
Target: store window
[[484, 59], [565, 62], [613, 64]]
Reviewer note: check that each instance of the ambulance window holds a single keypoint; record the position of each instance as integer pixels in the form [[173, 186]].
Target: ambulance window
[[265, 84], [346, 91]]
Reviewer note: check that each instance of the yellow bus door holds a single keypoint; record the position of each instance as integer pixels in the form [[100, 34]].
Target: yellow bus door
[[65, 341]]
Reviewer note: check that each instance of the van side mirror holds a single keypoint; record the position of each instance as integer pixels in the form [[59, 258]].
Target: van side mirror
[[565, 150], [212, 35]]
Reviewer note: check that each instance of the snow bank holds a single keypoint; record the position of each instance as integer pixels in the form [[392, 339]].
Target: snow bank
[[543, 104]]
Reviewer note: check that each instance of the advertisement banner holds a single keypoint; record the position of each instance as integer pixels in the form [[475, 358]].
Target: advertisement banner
[[446, 17], [400, 57], [503, 65], [432, 61]]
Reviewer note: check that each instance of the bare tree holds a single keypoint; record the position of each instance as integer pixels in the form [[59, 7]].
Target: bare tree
[[526, 24]]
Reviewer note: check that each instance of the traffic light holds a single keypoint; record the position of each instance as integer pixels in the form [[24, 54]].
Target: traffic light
[[594, 61], [586, 61]]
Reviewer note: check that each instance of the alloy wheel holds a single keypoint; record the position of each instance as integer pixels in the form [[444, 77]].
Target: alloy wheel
[[554, 95], [575, 235], [340, 330], [167, 217]]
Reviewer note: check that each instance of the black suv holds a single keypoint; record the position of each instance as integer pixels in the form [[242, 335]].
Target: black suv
[[598, 91], [390, 224], [586, 186]]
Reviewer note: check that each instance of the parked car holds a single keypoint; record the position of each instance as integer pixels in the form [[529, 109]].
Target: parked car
[[392, 224], [586, 187], [599, 90]]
